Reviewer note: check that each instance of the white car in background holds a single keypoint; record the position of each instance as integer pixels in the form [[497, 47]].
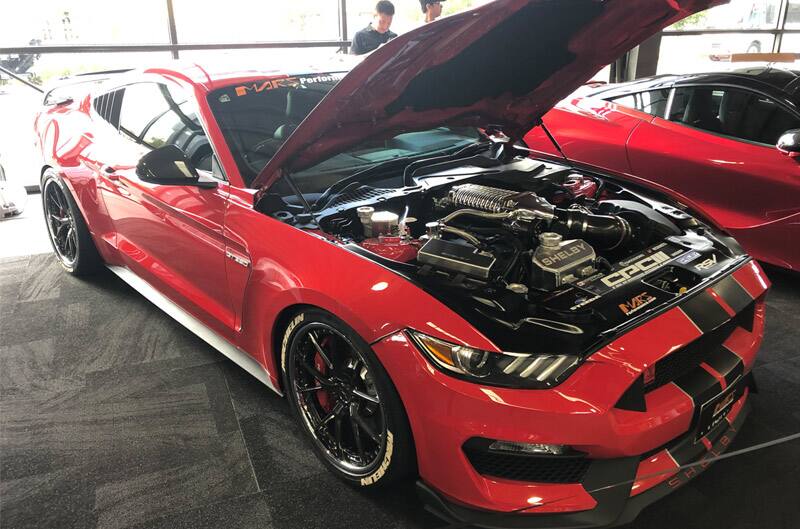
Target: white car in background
[[12, 198]]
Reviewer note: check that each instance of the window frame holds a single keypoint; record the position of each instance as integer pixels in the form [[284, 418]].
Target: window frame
[[714, 86], [139, 140], [637, 98]]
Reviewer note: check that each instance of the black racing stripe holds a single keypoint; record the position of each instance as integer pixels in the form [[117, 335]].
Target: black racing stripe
[[700, 385], [726, 363], [733, 293], [705, 312], [687, 451]]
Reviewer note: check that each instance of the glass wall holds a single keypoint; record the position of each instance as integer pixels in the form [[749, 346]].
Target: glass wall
[[58, 22], [248, 21], [408, 14], [719, 39]]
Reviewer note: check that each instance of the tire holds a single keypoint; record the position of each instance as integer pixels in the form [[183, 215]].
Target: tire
[[384, 455], [79, 256]]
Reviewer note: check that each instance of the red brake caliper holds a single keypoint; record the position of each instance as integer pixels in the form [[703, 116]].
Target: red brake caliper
[[322, 396]]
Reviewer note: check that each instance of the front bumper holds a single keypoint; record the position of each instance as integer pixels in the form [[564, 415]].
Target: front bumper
[[609, 482], [588, 413]]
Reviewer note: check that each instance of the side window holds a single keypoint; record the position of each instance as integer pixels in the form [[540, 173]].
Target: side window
[[653, 102], [697, 106], [155, 115], [142, 104], [754, 117], [626, 101], [733, 112]]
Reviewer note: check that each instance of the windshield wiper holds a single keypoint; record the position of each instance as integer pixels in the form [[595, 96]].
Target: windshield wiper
[[442, 162]]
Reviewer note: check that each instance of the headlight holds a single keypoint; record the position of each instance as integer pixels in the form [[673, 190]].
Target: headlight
[[514, 370]]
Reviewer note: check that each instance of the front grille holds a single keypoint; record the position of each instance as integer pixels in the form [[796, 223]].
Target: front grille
[[685, 359], [520, 467]]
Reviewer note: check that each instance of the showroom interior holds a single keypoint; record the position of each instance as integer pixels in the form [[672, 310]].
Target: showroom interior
[[407, 264]]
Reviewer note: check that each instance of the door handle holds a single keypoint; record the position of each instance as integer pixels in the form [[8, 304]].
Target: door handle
[[110, 172]]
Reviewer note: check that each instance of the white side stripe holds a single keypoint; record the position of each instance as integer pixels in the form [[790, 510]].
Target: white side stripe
[[239, 357]]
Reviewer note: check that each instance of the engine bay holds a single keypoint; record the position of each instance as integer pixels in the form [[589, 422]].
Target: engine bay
[[528, 244], [545, 227]]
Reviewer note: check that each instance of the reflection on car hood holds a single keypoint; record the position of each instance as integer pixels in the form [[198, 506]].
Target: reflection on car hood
[[505, 63]]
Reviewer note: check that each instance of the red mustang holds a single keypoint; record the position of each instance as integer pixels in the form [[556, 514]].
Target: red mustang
[[710, 138], [522, 335]]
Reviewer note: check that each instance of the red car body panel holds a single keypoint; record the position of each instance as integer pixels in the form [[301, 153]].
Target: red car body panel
[[750, 190]]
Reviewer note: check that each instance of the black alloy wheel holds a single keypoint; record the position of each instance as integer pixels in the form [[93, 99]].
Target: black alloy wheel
[[60, 224], [338, 400], [69, 236], [345, 401]]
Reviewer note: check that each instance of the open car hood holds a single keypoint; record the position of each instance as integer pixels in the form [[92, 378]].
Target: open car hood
[[503, 64]]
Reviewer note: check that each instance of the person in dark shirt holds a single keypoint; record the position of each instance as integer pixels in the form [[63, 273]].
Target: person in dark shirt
[[431, 8], [377, 32]]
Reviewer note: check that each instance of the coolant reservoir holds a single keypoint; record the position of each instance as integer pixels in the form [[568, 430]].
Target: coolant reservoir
[[384, 223]]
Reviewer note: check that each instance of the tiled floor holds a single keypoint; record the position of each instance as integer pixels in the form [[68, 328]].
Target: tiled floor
[[114, 416], [25, 234]]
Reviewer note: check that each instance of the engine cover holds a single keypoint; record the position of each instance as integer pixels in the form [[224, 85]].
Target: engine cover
[[556, 262], [455, 257]]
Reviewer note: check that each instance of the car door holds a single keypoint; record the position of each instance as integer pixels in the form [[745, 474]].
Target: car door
[[716, 146], [588, 130], [170, 235]]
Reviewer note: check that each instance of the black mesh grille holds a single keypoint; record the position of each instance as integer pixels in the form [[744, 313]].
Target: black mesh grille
[[687, 358], [517, 467]]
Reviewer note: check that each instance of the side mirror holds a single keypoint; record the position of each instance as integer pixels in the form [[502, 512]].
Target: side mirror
[[169, 165], [789, 143]]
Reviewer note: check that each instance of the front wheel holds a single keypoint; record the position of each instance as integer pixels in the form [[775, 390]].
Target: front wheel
[[71, 240], [345, 401]]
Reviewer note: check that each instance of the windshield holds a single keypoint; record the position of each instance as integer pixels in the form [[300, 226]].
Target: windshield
[[405, 147], [258, 116]]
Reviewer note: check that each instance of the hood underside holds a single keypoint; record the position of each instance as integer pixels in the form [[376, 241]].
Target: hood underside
[[505, 64]]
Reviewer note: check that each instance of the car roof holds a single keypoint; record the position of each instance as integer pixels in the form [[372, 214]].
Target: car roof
[[209, 76], [213, 75], [777, 82]]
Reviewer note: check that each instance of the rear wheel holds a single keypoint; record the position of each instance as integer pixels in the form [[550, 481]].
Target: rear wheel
[[345, 401], [71, 240]]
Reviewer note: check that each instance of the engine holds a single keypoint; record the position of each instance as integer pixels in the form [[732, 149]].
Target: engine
[[530, 234], [561, 238]]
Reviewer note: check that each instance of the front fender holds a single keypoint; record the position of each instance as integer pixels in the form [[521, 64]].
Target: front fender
[[293, 267]]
